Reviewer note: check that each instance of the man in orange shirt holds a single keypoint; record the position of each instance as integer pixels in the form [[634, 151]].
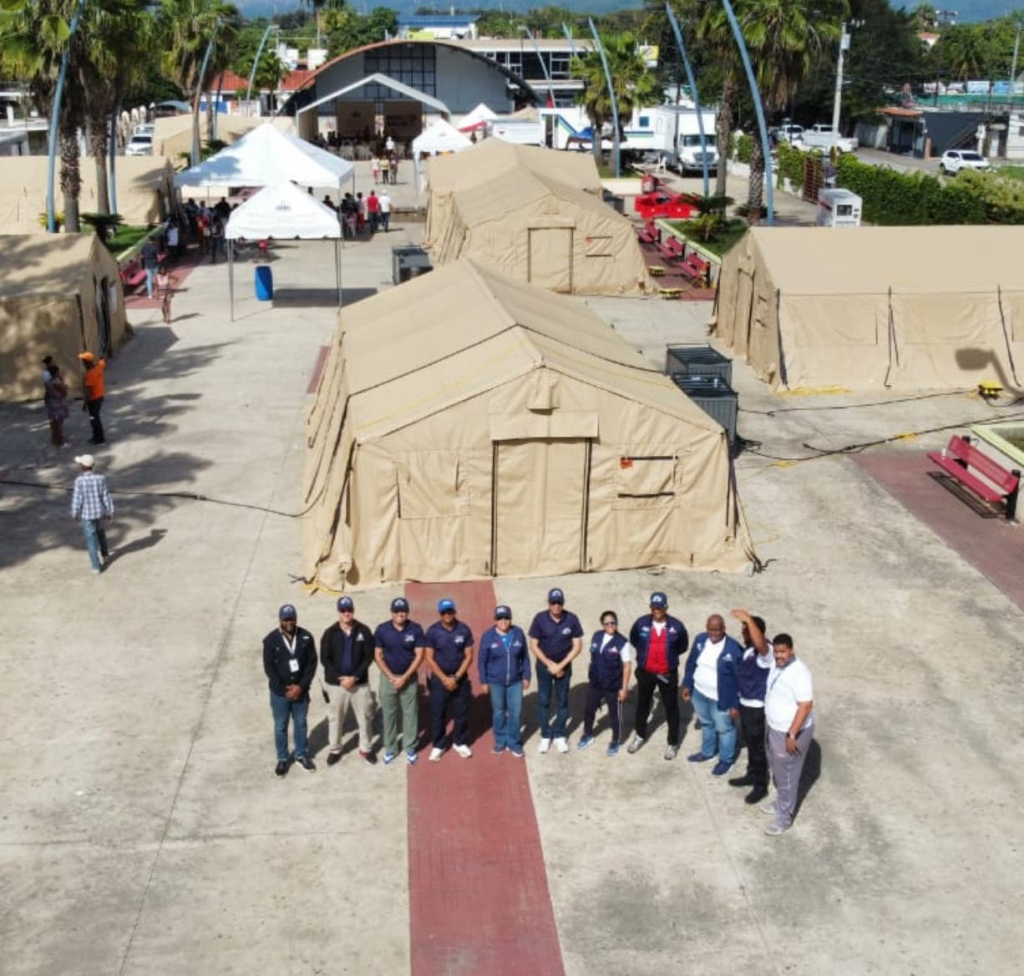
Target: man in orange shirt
[[94, 392]]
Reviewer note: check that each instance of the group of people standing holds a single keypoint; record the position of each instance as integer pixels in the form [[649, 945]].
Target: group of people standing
[[754, 688], [385, 168], [56, 392]]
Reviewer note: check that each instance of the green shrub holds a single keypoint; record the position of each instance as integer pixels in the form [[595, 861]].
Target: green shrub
[[1004, 198], [742, 147], [790, 163]]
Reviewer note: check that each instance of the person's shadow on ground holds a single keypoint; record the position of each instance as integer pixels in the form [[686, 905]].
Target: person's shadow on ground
[[137, 545]]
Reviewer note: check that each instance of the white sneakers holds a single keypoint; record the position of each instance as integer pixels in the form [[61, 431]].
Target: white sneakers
[[561, 745], [545, 745], [464, 751]]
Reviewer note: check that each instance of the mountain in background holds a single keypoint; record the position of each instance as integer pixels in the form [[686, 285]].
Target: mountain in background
[[969, 11]]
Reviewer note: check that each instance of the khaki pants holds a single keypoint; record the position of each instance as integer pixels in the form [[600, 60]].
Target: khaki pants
[[360, 701], [405, 702]]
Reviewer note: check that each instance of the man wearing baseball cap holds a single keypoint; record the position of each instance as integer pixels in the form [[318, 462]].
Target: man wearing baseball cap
[[449, 652], [289, 662], [504, 669], [660, 642], [346, 652], [91, 504], [398, 649], [556, 639], [95, 390]]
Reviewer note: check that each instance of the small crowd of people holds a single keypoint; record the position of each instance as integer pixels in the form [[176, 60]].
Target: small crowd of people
[[357, 212], [753, 691], [56, 393]]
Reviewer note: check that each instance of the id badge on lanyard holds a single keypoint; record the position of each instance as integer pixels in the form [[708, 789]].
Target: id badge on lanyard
[[293, 661]]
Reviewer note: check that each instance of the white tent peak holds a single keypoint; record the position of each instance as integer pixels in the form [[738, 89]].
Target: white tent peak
[[481, 115], [283, 211], [266, 156], [440, 137]]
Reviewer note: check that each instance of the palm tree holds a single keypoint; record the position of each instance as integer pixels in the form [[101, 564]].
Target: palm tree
[[786, 39], [714, 37], [635, 84], [186, 27]]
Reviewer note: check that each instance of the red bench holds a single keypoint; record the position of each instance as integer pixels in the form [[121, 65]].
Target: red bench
[[671, 248], [133, 275], [693, 266], [650, 234], [959, 457]]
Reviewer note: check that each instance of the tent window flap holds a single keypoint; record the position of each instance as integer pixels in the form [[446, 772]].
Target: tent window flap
[[429, 486], [645, 476]]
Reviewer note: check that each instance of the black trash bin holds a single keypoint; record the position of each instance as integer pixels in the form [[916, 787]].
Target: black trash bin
[[701, 360], [714, 396], [406, 259]]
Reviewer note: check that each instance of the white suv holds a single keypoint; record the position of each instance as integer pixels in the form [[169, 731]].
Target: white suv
[[954, 160], [140, 145]]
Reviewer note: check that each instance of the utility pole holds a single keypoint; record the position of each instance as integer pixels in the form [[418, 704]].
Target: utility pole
[[844, 46], [1013, 69]]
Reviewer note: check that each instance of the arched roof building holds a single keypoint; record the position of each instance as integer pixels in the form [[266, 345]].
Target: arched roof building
[[388, 86]]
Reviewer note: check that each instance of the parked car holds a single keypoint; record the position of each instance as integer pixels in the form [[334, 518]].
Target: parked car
[[954, 160], [825, 137], [140, 145], [789, 133], [145, 129], [677, 206]]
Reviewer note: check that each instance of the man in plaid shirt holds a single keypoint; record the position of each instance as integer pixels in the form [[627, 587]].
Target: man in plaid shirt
[[91, 504]]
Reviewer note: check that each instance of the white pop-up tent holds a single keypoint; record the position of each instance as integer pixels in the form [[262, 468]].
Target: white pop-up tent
[[477, 119], [267, 156], [282, 212], [439, 137]]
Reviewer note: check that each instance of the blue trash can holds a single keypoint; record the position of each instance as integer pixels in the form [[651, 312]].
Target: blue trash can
[[264, 283]]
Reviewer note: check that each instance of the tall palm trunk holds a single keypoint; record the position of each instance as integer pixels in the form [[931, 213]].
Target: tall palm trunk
[[723, 128], [98, 149], [755, 195], [70, 176]]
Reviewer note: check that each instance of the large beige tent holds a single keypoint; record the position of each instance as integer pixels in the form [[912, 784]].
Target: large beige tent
[[869, 307], [494, 159], [60, 294], [144, 189], [467, 425], [534, 228]]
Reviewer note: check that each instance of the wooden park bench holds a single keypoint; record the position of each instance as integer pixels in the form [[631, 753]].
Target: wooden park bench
[[960, 460]]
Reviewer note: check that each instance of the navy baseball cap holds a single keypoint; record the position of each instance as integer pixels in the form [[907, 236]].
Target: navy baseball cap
[[503, 613], [446, 606], [287, 612], [659, 600], [345, 603], [556, 596], [399, 605]]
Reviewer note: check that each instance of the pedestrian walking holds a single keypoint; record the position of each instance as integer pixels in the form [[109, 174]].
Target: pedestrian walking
[[373, 210], [360, 213], [150, 264], [216, 237], [449, 653], [56, 402], [398, 649], [376, 170], [385, 169], [92, 505], [556, 639], [611, 665], [346, 652], [788, 704], [385, 210], [753, 679], [173, 239], [95, 386], [165, 283], [504, 671], [394, 168], [711, 680], [660, 641], [289, 662]]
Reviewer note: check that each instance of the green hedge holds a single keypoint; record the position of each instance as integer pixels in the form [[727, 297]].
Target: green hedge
[[790, 163], [1003, 196], [909, 198], [743, 147]]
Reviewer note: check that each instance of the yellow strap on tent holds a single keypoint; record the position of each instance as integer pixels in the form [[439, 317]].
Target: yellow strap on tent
[[812, 391]]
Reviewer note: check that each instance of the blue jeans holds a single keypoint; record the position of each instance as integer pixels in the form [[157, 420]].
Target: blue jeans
[[95, 540], [561, 687], [507, 715], [283, 709], [150, 279], [717, 729]]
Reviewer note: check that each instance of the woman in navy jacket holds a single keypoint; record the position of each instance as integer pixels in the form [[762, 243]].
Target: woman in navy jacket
[[503, 665], [711, 680]]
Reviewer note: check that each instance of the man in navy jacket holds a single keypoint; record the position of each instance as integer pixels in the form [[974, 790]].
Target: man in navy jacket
[[289, 662], [660, 641], [711, 680]]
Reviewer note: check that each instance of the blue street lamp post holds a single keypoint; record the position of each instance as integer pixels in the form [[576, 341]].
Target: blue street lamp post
[[611, 96]]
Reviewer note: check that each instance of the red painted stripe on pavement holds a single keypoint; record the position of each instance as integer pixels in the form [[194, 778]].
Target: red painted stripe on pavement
[[318, 369], [478, 888]]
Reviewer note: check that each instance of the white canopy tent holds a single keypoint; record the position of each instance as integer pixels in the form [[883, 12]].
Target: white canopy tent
[[477, 119], [282, 211], [439, 137], [267, 156]]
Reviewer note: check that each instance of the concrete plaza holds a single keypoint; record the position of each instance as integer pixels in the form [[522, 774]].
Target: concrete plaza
[[142, 831]]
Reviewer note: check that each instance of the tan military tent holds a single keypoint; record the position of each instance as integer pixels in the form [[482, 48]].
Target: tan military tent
[[467, 425], [870, 307], [144, 188], [60, 294], [494, 159]]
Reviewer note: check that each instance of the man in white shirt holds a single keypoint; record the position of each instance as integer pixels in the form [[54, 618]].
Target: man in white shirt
[[385, 210], [788, 703]]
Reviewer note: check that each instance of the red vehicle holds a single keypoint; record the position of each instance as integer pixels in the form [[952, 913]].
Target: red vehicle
[[677, 206]]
